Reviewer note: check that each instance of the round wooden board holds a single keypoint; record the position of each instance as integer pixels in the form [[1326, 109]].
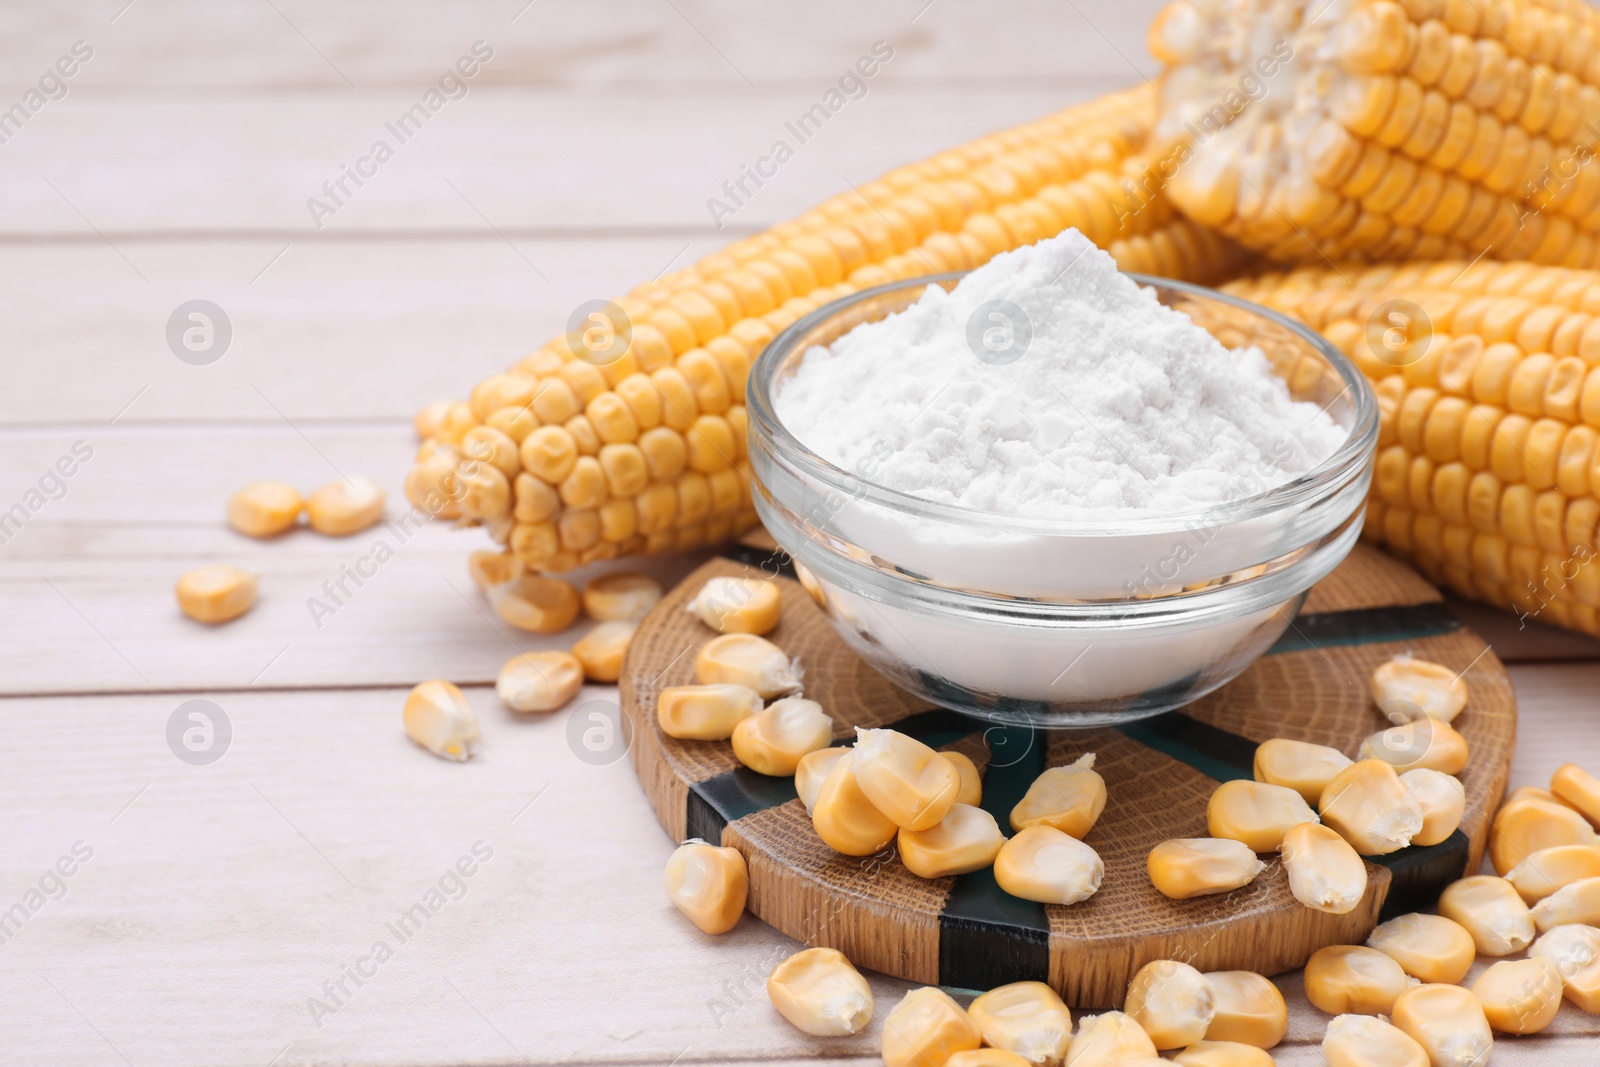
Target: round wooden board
[[964, 932]]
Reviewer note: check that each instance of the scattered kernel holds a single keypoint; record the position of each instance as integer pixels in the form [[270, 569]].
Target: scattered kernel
[[1363, 1041], [602, 650], [539, 681], [537, 604], [1368, 806], [1519, 996], [1299, 765], [905, 779], [348, 506], [1407, 689], [1491, 911], [1258, 815], [705, 712], [1443, 800], [1578, 902], [1430, 948], [1448, 1022], [987, 1057], [812, 769], [927, 1026], [1354, 980], [438, 717], [265, 509], [1041, 863], [1249, 1010], [748, 660], [1575, 952], [216, 593], [738, 605], [1068, 798], [1198, 866], [773, 740], [1325, 872], [1027, 1018], [1107, 1039], [1530, 824], [1428, 743], [967, 839], [1579, 788], [708, 884], [1549, 869], [844, 818], [971, 789], [1223, 1054], [821, 993], [621, 597], [1172, 1003]]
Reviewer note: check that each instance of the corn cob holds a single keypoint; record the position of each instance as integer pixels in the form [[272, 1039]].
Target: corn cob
[[1319, 131], [567, 460], [1488, 380]]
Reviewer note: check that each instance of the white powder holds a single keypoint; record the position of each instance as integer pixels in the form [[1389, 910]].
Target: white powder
[[1117, 405]]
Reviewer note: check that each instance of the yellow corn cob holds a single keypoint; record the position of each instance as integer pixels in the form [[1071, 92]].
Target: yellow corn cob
[[1318, 131], [567, 461], [1488, 380]]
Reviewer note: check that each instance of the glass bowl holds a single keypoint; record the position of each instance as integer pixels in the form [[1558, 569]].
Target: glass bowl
[[1063, 624]]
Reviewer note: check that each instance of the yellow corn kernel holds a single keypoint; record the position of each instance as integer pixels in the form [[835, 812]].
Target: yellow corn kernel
[[1549, 869], [1368, 806], [1519, 996], [1429, 743], [1578, 903], [821, 993], [1430, 948], [1448, 1022], [1041, 863], [812, 771], [737, 605], [1256, 814], [1443, 800], [216, 593], [773, 740], [986, 1057], [438, 717], [708, 884], [1026, 1018], [1222, 1054], [485, 493], [705, 712], [1528, 825], [1579, 788], [537, 604], [966, 840], [1490, 910], [1108, 1039], [1198, 866], [1299, 765], [348, 506], [747, 660], [1363, 1041], [905, 779], [1575, 952], [490, 569], [621, 597], [844, 818], [971, 789], [1354, 979], [428, 417], [1407, 689], [265, 509], [1068, 798], [602, 650], [1325, 872], [539, 681], [926, 1027], [1249, 1010], [1172, 1003]]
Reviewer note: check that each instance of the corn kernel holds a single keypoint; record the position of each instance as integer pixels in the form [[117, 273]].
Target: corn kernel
[[971, 788], [489, 569], [1249, 1010], [1256, 814], [1108, 1039], [539, 681], [738, 605], [1490, 910], [216, 593], [966, 840], [1448, 1022], [1407, 689], [905, 779], [844, 818], [773, 740], [1443, 800], [926, 1027], [1172, 1003], [1425, 742], [987, 1057], [438, 717], [1355, 980], [1222, 1054], [708, 884], [812, 770], [1368, 806], [349, 506], [265, 509], [1325, 872], [1579, 788], [1068, 798], [428, 417], [1041, 863], [1575, 951], [602, 650], [1197, 866], [537, 604], [748, 660], [1578, 902], [1299, 765], [1026, 1018], [1519, 996], [1363, 1041], [1549, 869], [705, 712], [821, 993], [1528, 825], [1430, 948], [621, 597]]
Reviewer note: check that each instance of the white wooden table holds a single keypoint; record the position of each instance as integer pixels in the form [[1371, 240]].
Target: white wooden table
[[208, 907]]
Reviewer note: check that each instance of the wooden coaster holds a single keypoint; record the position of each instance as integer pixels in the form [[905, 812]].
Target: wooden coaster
[[964, 932]]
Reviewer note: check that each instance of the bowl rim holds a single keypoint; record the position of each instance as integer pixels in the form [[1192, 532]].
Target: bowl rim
[[1346, 461]]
